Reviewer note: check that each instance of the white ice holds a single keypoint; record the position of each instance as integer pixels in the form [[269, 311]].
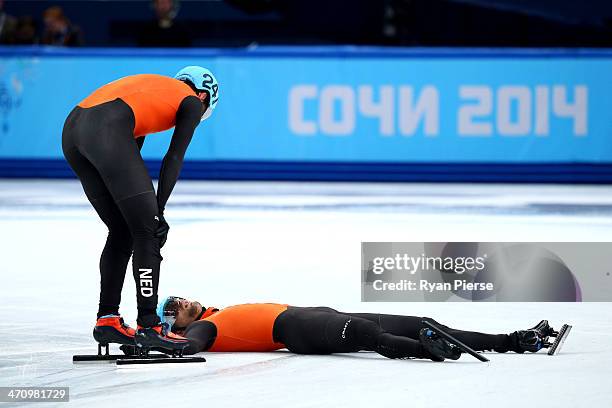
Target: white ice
[[295, 243]]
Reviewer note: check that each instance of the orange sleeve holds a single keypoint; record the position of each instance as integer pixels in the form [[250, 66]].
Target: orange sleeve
[[246, 327]]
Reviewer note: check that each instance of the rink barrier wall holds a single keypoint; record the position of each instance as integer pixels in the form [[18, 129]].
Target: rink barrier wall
[[371, 172], [340, 113]]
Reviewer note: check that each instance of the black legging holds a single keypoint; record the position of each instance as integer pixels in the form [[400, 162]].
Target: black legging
[[99, 145], [409, 326], [323, 330]]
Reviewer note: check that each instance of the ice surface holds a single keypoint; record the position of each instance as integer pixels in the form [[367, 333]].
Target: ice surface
[[236, 242]]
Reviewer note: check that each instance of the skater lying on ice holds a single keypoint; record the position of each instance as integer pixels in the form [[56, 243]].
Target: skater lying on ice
[[322, 330]]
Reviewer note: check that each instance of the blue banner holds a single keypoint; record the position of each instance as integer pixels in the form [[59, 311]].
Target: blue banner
[[339, 105]]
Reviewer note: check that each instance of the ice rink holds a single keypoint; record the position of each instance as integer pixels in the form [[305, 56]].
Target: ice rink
[[238, 242]]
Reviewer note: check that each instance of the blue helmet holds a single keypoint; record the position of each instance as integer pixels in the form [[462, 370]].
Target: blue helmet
[[203, 80], [167, 311]]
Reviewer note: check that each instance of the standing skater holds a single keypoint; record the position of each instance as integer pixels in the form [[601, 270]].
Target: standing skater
[[101, 140]]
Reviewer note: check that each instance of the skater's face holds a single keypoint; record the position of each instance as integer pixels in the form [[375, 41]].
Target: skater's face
[[203, 97], [187, 312]]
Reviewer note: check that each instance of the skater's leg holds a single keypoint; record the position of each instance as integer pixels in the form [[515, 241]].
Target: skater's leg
[[307, 330], [115, 255], [312, 331], [118, 247], [479, 341], [132, 190], [106, 140], [348, 332], [518, 341], [365, 334], [140, 213], [410, 326]]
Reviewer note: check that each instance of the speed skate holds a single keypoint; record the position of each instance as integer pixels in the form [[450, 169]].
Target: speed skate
[[548, 332], [135, 355]]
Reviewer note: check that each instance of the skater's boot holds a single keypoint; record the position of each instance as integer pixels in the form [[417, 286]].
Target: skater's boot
[[112, 329], [527, 340], [545, 330], [436, 348], [159, 338]]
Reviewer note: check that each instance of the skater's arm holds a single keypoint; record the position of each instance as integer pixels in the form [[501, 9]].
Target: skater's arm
[[201, 335], [187, 118]]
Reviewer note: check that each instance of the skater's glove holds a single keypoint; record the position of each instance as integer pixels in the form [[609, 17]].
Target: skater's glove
[[162, 230]]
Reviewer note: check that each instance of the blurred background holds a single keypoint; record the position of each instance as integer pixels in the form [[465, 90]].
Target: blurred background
[[236, 23], [390, 90]]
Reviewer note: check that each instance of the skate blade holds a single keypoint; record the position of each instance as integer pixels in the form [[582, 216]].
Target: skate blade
[[91, 358], [159, 360], [108, 358], [556, 346]]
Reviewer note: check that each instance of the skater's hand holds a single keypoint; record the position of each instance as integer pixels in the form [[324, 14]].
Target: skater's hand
[[162, 230]]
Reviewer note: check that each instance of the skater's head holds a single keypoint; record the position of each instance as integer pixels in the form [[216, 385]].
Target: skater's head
[[204, 84], [179, 312]]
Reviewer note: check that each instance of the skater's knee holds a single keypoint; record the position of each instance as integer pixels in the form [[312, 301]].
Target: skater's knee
[[141, 215], [120, 239], [143, 226], [357, 333], [370, 331], [366, 326], [143, 230]]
